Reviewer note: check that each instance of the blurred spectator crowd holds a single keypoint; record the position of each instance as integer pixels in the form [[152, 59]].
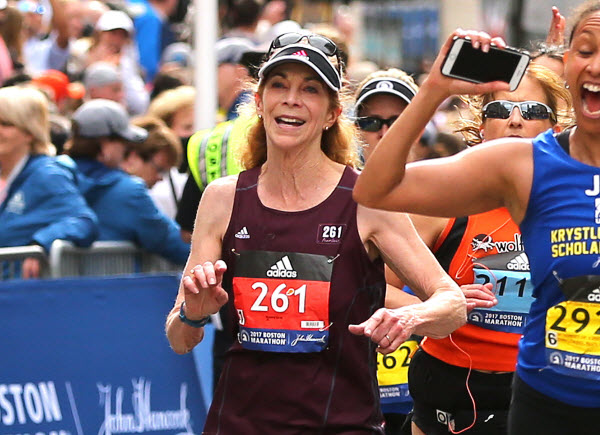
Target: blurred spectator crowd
[[103, 91]]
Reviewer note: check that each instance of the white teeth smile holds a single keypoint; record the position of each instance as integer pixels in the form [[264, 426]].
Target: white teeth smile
[[591, 87], [290, 120]]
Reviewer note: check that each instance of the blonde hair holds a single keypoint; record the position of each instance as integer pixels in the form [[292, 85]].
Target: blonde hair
[[169, 102], [27, 109], [338, 142], [557, 96]]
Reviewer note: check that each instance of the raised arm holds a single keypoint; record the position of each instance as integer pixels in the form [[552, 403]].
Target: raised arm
[[60, 23], [457, 185], [556, 32], [200, 286]]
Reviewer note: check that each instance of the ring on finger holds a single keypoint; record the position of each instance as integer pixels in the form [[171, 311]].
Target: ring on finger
[[388, 337]]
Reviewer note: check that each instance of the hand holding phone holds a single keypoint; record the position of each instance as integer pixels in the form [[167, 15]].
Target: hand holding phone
[[499, 64]]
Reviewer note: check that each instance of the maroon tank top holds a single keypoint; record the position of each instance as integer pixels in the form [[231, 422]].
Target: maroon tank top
[[296, 280]]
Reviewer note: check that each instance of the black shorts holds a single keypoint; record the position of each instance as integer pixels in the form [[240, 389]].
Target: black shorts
[[440, 396], [532, 412]]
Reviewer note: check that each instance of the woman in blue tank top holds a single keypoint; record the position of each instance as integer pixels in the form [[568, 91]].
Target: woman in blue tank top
[[300, 264], [553, 192]]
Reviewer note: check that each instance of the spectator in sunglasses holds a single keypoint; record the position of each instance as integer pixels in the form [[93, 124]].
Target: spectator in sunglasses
[[494, 187], [301, 265]]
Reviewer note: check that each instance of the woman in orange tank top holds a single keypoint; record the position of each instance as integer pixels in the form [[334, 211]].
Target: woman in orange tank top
[[488, 343]]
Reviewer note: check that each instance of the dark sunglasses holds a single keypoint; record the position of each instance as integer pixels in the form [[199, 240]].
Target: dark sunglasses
[[374, 123], [530, 110], [322, 43]]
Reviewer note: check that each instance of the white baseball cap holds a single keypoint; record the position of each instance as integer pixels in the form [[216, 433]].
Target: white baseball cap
[[111, 20]]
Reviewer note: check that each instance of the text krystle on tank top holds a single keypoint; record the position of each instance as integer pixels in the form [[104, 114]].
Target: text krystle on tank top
[[296, 280]]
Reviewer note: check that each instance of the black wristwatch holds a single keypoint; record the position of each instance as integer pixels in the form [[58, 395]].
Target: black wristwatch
[[195, 323]]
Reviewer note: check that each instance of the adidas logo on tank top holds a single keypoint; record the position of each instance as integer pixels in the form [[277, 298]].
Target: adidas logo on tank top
[[242, 234], [282, 269]]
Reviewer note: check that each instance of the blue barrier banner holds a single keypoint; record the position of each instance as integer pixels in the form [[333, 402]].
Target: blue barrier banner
[[90, 356]]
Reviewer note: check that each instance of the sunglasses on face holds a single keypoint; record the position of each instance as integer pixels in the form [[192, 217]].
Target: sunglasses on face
[[374, 123], [530, 110]]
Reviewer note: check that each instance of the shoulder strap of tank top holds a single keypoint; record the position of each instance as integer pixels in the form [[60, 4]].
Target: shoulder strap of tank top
[[248, 179], [563, 140], [348, 178], [446, 250]]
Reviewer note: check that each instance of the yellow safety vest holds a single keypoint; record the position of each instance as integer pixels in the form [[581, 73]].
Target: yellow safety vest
[[214, 153]]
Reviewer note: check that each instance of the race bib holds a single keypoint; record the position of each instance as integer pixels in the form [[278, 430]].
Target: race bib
[[392, 373], [573, 329], [282, 301], [509, 274]]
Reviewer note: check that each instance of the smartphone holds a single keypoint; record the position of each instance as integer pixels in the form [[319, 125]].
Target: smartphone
[[467, 63]]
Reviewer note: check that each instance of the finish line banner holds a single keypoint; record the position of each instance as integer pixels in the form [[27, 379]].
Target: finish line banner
[[90, 356]]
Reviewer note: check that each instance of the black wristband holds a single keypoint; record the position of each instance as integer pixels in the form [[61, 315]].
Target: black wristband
[[195, 323]]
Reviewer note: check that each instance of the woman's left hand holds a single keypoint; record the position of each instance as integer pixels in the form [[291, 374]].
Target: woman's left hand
[[388, 328]]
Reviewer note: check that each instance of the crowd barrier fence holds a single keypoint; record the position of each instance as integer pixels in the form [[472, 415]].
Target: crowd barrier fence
[[104, 258]]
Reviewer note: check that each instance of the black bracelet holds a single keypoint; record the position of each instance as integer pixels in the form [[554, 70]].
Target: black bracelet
[[195, 323]]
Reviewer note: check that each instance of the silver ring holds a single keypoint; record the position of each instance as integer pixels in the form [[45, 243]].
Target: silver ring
[[388, 337]]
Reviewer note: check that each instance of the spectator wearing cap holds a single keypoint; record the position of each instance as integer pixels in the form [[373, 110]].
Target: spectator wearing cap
[[103, 80], [113, 43], [101, 136], [176, 64], [59, 89], [39, 200], [231, 75], [153, 33], [152, 159], [155, 161], [44, 49]]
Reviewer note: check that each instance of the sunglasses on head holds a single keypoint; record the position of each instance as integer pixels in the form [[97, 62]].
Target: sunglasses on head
[[374, 123], [530, 110], [326, 45], [322, 43]]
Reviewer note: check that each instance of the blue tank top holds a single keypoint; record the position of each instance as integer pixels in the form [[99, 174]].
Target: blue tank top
[[559, 354]]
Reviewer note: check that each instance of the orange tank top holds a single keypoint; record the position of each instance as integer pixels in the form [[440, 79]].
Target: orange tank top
[[461, 249]]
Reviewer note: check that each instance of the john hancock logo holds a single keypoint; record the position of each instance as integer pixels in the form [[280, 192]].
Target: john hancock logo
[[143, 419]]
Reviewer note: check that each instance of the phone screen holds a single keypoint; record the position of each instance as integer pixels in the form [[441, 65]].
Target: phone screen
[[485, 67]]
